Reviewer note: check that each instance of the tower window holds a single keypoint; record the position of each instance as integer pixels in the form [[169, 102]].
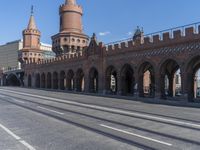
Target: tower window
[[61, 22]]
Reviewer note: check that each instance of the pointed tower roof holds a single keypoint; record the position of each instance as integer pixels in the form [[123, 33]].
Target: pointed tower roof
[[70, 2], [32, 24]]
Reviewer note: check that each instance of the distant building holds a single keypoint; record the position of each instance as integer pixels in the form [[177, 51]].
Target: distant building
[[9, 54]]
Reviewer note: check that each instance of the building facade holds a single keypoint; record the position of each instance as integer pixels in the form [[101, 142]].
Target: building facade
[[10, 51], [143, 66]]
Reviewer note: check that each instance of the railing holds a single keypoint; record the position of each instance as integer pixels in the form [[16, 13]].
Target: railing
[[160, 33], [11, 69]]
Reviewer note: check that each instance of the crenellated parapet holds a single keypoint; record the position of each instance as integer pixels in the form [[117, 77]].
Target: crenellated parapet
[[163, 38], [60, 59]]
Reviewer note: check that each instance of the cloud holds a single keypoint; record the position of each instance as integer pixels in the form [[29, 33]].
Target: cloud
[[130, 33], [104, 33]]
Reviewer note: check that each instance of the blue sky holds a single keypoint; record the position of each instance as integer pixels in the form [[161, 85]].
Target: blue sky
[[111, 20]]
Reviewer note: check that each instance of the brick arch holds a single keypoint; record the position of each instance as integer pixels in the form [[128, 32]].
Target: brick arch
[[29, 80], [49, 80], [127, 80], [55, 80], [193, 65], [111, 80], [93, 80], [167, 73], [146, 83], [160, 65], [37, 80], [62, 80], [150, 61], [70, 80], [13, 80], [43, 80], [80, 80]]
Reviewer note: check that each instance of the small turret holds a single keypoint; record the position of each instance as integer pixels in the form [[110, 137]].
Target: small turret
[[31, 42]]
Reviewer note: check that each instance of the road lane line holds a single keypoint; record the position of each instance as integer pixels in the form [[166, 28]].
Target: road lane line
[[60, 113], [2, 96], [136, 135], [113, 110], [17, 138], [27, 145], [19, 101], [10, 132]]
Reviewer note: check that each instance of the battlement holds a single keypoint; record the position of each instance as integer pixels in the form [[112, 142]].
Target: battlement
[[59, 59], [165, 37], [73, 8]]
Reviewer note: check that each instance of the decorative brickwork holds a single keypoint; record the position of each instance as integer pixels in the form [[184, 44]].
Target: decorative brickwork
[[119, 68]]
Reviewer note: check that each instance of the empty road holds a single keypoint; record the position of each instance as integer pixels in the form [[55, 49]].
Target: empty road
[[33, 119]]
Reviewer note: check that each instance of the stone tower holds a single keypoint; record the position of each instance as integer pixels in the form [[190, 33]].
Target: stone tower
[[31, 43], [71, 38]]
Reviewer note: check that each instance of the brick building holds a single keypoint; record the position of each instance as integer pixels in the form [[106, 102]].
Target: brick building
[[143, 66]]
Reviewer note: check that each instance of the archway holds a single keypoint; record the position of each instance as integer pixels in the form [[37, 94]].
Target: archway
[[55, 80], [49, 80], [127, 80], [62, 80], [29, 81], [12, 80], [70, 80], [111, 80], [43, 80], [80, 80], [193, 79], [170, 79], [93, 80], [146, 82], [37, 80]]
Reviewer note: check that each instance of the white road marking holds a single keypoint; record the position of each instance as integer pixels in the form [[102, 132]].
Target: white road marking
[[10, 132], [137, 135], [19, 101], [2, 96], [17, 137], [113, 110], [27, 145], [50, 110]]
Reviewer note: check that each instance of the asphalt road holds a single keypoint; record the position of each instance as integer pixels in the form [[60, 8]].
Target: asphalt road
[[45, 120]]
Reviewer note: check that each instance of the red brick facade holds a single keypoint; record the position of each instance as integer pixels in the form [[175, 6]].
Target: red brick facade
[[97, 67]]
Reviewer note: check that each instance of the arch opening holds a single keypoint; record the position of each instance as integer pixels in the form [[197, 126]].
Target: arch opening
[[12, 80], [146, 80], [80, 81], [37, 81], [63, 80], [111, 80], [127, 80], [170, 79], [49, 80], [29, 81], [55, 80], [70, 80], [93, 80], [43, 81]]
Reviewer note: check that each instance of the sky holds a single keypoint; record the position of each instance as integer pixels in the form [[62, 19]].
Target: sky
[[111, 20]]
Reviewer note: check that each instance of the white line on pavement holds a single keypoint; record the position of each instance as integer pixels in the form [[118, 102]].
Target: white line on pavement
[[136, 135], [10, 132], [19, 101], [2, 96], [27, 145], [50, 110], [17, 138], [113, 110]]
